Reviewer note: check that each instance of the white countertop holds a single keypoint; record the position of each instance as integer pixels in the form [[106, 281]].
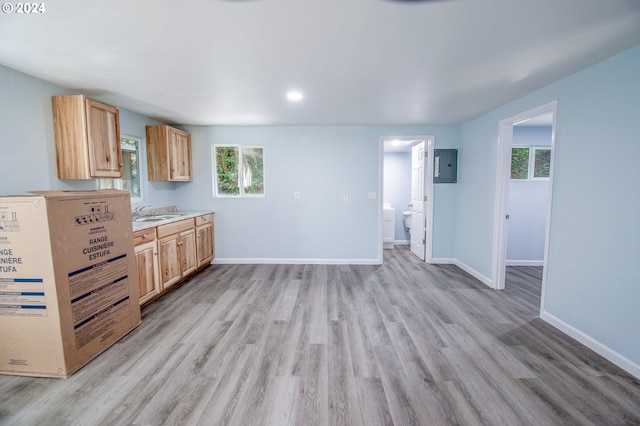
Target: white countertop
[[184, 214]]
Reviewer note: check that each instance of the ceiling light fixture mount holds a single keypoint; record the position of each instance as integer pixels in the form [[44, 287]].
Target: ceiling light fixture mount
[[294, 96]]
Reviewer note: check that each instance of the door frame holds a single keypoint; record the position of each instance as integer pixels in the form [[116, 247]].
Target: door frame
[[503, 172], [428, 190]]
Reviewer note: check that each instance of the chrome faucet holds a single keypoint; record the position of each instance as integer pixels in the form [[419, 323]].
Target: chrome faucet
[[138, 210]]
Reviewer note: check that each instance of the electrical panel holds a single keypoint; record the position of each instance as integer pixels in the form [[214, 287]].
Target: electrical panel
[[445, 165]]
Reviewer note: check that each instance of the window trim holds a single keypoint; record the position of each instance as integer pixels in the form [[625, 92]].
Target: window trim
[[241, 193], [118, 183]]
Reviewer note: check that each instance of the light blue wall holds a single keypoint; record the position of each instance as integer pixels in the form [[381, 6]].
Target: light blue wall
[[397, 187], [528, 201], [476, 183], [28, 159], [592, 275], [445, 202], [527, 220], [592, 278], [322, 163], [156, 193]]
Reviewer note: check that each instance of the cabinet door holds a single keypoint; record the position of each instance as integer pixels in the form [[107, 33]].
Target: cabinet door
[[188, 251], [147, 263], [205, 244], [169, 253], [103, 139], [180, 155]]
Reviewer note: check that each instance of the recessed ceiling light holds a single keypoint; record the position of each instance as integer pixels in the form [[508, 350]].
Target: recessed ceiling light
[[294, 96]]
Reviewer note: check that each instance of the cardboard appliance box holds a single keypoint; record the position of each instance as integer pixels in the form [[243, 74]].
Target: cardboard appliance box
[[68, 280]]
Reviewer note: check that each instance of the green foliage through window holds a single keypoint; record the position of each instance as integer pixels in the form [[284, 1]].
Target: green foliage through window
[[253, 170], [542, 163], [130, 167], [530, 162], [130, 180], [519, 163], [234, 180], [227, 170]]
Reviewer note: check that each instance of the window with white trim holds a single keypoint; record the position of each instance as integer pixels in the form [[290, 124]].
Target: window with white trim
[[239, 171], [130, 180], [530, 162]]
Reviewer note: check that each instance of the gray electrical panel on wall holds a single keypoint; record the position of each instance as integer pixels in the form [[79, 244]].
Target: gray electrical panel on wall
[[445, 165]]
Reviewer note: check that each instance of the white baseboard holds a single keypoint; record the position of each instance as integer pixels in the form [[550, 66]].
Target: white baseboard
[[402, 242], [268, 261], [464, 267], [474, 273], [443, 261], [290, 261], [525, 262], [613, 356]]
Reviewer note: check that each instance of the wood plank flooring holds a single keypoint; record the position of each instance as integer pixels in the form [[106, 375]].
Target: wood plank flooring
[[404, 343]]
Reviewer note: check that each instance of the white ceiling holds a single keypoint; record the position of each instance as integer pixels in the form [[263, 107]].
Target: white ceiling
[[368, 62]]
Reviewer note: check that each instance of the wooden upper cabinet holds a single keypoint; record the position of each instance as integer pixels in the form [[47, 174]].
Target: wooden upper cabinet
[[87, 134], [168, 154]]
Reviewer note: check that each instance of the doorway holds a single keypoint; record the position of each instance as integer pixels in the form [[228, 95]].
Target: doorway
[[503, 179], [408, 190]]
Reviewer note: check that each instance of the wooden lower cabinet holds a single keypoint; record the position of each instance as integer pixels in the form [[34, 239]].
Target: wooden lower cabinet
[[169, 253], [180, 249], [177, 257], [147, 261], [146, 252], [177, 250], [204, 236], [187, 248]]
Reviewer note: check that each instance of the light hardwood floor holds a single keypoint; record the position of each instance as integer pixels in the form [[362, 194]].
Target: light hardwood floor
[[403, 343]]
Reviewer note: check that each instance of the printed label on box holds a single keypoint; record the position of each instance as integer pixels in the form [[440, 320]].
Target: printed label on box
[[22, 296], [98, 293], [9, 222]]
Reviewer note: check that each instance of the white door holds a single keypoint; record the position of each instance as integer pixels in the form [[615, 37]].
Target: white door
[[418, 236]]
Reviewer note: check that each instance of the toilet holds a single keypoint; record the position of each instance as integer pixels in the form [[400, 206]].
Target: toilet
[[406, 219]]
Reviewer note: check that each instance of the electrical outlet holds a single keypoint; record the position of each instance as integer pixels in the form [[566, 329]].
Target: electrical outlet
[[296, 195], [372, 195], [345, 197]]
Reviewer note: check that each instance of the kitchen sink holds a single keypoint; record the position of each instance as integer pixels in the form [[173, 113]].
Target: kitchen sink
[[157, 218], [148, 219]]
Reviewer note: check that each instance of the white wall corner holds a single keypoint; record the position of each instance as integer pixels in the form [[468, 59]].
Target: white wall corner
[[451, 261], [598, 347], [474, 273]]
